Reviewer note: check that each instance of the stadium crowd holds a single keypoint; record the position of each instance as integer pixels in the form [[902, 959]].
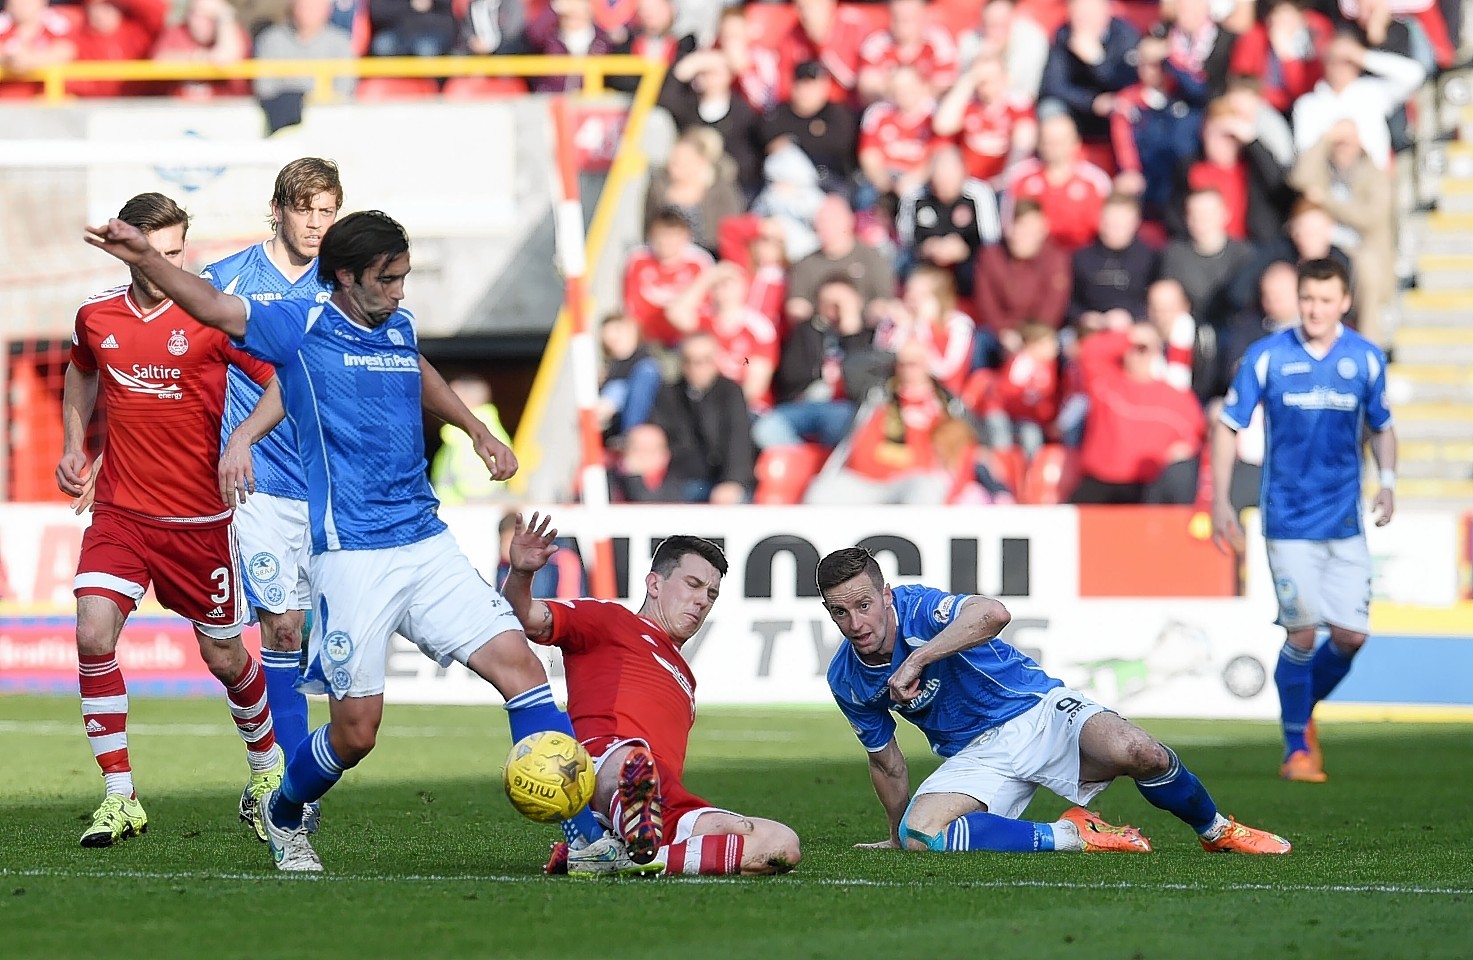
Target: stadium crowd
[[921, 252]]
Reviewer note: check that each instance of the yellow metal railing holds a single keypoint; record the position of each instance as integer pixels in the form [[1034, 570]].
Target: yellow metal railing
[[594, 71]]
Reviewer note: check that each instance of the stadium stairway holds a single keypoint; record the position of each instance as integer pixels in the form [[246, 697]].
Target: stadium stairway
[[1430, 380]]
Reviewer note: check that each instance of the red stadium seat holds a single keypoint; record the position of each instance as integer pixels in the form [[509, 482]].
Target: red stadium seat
[[484, 88], [783, 473], [383, 89], [1008, 467], [1052, 476]]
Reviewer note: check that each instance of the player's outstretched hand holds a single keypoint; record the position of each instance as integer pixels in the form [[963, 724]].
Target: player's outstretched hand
[[1384, 506], [122, 240], [71, 473], [889, 844], [905, 682], [532, 543], [237, 476], [497, 456], [1227, 532]]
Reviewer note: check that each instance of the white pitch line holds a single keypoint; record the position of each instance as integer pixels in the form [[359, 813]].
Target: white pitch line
[[49, 728], [1376, 888]]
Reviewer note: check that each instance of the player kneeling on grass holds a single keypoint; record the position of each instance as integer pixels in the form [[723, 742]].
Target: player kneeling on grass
[[632, 698], [1004, 726]]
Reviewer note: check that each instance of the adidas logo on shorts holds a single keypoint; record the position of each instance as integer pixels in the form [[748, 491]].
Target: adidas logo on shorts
[[215, 614], [111, 343]]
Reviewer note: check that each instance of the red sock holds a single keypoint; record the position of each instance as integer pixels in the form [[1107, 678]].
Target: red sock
[[715, 854], [105, 718], [252, 715]]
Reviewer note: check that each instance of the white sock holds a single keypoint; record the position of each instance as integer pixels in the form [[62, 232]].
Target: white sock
[[1215, 828], [1066, 837], [263, 760], [119, 784]]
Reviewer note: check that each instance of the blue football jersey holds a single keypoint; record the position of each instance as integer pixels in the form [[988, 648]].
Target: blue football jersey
[[250, 273], [1314, 411], [962, 696], [353, 395]]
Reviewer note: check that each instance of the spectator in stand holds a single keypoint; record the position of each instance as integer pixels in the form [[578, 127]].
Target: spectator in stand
[[490, 26], [1277, 308], [709, 428], [567, 28], [895, 140], [653, 38], [1244, 173], [995, 126], [910, 41], [1069, 188], [758, 69], [209, 33], [716, 303], [792, 198], [1376, 27], [1024, 397], [1142, 437], [1155, 127], [824, 357], [699, 181], [1369, 99], [1112, 274], [1337, 176], [309, 36], [1091, 60], [830, 34], [1284, 49], [1208, 259], [891, 457], [657, 272], [1198, 48], [1308, 235], [1014, 38], [699, 94], [1170, 312], [116, 30], [825, 130], [411, 28], [1024, 279], [1270, 127], [841, 254], [927, 315], [32, 35], [642, 474], [946, 223], [631, 377]]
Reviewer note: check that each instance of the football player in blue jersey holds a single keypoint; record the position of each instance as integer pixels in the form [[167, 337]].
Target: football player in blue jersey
[[1004, 727], [382, 561], [264, 481], [1321, 386]]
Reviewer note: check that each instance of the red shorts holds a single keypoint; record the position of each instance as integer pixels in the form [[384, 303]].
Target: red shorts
[[192, 568], [680, 808]]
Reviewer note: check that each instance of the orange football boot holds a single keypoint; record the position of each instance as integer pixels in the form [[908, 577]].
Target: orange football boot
[[1240, 838], [1101, 837], [1302, 768]]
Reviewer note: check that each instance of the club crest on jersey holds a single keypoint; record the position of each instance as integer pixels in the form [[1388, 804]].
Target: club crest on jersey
[[943, 609], [323, 296], [341, 680], [178, 343], [338, 646], [1346, 368], [396, 338], [275, 595], [264, 567]]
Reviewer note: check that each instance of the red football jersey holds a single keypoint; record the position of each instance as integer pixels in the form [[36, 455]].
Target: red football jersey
[[162, 377], [752, 337], [904, 141], [626, 678], [935, 58], [1073, 207], [650, 286], [987, 133], [839, 53]]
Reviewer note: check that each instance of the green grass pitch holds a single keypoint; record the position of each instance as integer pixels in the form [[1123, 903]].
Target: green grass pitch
[[425, 858]]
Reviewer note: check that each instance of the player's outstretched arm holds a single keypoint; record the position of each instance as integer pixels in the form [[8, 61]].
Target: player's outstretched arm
[[438, 399], [891, 779], [78, 401], [979, 620], [197, 296], [1383, 448], [531, 547], [1227, 533], [237, 475]]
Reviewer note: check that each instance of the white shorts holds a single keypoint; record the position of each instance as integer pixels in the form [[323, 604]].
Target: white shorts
[[426, 591], [1322, 581], [275, 552], [1005, 766]]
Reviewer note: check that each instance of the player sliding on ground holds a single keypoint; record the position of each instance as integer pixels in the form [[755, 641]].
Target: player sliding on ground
[[1004, 726], [632, 698], [382, 560]]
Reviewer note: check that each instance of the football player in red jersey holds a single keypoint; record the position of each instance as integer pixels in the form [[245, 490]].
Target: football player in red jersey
[[631, 696], [158, 515]]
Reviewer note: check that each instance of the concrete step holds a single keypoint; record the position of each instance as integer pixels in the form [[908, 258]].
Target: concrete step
[[1446, 451], [1457, 493], [1413, 383], [1455, 196], [1445, 272], [1412, 335], [1441, 232], [1434, 470], [1434, 421], [1414, 353], [1426, 308]]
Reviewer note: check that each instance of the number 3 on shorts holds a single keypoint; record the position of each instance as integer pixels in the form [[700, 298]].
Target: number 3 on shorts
[[221, 576]]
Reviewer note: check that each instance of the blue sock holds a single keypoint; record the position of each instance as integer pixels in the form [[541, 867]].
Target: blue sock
[[1296, 701], [310, 772], [532, 712], [1180, 793], [988, 831], [288, 706], [1327, 667]]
